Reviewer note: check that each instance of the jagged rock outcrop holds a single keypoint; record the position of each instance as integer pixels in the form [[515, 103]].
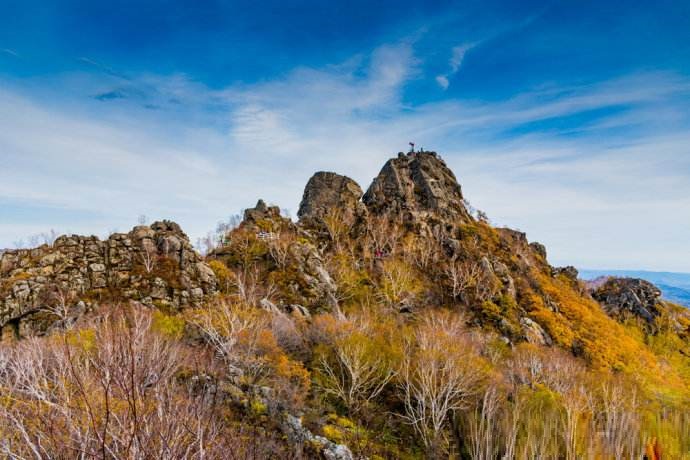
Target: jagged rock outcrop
[[299, 434], [622, 297], [293, 262], [261, 213], [534, 333], [154, 265], [417, 186], [328, 192], [569, 272], [313, 284], [539, 249], [502, 272]]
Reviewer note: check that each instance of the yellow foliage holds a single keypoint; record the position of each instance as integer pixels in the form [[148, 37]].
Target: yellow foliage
[[258, 408], [254, 347], [554, 325], [223, 275], [356, 357], [333, 433], [580, 324], [342, 422], [243, 248], [353, 283], [399, 281], [82, 339], [490, 311], [168, 325]]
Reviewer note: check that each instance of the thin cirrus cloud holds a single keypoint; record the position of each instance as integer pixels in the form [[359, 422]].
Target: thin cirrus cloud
[[591, 170], [457, 57]]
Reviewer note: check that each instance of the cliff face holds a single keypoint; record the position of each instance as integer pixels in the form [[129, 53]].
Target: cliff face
[[154, 265]]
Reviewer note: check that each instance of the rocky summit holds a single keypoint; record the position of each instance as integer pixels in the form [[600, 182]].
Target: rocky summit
[[416, 186]]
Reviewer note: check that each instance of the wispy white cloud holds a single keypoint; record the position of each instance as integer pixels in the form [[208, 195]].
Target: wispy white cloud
[[458, 56], [124, 161], [442, 81], [597, 192], [592, 204], [454, 63], [10, 52]]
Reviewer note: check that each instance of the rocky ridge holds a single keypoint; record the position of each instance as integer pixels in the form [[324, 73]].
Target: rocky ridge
[[154, 265], [420, 192], [157, 265]]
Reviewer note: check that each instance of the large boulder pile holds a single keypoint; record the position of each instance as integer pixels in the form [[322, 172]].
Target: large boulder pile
[[625, 297], [154, 265]]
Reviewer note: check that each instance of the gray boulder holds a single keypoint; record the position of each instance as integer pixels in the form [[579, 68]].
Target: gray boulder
[[328, 192]]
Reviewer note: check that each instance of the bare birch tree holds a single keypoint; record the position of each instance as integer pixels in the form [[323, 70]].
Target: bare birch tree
[[358, 370], [107, 392], [462, 276], [440, 375]]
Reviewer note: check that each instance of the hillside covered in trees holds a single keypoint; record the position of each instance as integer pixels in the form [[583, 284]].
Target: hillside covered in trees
[[395, 323]]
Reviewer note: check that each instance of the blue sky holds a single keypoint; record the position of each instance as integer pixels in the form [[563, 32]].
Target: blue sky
[[569, 120]]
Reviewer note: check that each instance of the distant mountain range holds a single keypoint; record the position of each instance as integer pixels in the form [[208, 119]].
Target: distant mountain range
[[674, 286]]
